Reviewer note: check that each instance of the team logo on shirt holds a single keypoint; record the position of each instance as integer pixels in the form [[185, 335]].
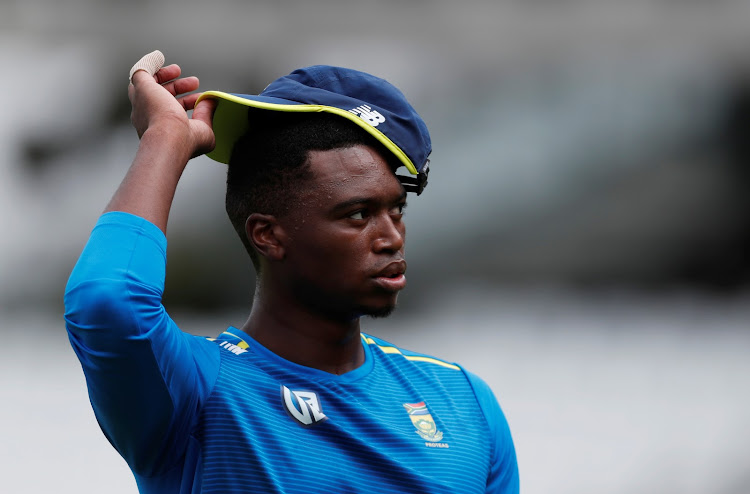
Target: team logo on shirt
[[424, 423], [302, 406]]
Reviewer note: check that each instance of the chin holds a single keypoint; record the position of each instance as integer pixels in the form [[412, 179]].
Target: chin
[[382, 313], [377, 307], [378, 312]]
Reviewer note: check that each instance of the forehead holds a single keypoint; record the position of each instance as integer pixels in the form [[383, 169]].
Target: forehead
[[352, 171]]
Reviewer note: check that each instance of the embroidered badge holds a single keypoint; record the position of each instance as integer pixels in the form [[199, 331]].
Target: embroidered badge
[[423, 422]]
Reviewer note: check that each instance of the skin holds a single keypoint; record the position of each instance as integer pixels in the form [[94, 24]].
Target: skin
[[336, 257], [168, 140]]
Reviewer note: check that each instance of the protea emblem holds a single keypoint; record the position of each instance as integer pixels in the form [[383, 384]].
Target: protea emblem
[[423, 421]]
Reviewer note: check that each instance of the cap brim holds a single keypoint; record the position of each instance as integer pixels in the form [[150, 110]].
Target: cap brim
[[231, 121]]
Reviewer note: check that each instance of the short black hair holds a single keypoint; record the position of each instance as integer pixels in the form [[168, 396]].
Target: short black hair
[[269, 165]]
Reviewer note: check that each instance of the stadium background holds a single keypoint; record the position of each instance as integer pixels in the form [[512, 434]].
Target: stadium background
[[583, 243]]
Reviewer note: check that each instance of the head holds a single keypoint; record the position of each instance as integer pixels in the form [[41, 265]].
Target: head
[[329, 192], [316, 152], [269, 168]]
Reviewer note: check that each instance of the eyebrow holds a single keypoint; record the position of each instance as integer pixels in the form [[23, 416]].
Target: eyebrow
[[364, 200]]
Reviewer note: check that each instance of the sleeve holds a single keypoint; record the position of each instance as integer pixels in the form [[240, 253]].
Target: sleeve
[[503, 476], [146, 379]]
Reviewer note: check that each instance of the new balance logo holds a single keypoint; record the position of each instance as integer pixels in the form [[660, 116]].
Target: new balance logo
[[232, 348], [366, 113], [302, 406]]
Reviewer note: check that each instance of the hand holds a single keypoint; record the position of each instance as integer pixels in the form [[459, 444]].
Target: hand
[[158, 105]]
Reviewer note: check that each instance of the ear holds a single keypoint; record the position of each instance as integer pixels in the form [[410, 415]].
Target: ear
[[266, 235]]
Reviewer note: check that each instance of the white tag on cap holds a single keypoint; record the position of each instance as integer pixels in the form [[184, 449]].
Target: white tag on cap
[[151, 63]]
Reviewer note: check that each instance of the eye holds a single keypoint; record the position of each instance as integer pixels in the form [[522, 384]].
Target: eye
[[358, 215], [399, 210]]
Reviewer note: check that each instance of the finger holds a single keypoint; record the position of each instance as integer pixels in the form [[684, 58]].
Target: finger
[[188, 102], [168, 73], [150, 64], [141, 77], [204, 111], [182, 86]]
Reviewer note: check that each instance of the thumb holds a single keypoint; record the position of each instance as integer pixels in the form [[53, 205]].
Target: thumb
[[204, 111], [202, 126]]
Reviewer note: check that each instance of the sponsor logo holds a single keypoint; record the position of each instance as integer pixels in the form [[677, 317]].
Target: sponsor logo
[[302, 406], [366, 113], [232, 348], [424, 423]]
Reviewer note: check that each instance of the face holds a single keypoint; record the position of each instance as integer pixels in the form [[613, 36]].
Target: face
[[344, 252]]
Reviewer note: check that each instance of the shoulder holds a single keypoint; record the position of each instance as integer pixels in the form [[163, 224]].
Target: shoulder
[[450, 374], [382, 347], [503, 476], [421, 369]]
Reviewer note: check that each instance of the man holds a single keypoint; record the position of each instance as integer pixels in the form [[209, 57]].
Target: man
[[297, 400]]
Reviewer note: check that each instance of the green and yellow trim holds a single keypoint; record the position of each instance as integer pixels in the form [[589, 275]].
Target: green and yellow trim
[[413, 358]]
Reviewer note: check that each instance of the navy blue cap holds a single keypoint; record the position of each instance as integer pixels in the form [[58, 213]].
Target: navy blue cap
[[372, 103]]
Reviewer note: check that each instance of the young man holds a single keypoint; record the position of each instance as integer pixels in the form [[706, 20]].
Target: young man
[[297, 400]]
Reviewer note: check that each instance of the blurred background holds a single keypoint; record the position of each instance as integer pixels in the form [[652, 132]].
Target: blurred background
[[582, 245]]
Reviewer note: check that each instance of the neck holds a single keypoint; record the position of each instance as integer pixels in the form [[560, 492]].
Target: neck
[[304, 337]]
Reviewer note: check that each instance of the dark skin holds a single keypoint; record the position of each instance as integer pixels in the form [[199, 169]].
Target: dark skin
[[337, 257], [324, 264]]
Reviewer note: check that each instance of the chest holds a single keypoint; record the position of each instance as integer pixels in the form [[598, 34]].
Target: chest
[[396, 430]]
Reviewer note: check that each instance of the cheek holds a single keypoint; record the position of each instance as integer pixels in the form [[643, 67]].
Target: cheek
[[347, 255], [352, 264], [332, 253]]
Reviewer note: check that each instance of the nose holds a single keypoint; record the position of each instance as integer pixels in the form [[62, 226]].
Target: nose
[[390, 234]]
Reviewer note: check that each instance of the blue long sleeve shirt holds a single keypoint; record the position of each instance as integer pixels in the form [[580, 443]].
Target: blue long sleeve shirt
[[192, 414]]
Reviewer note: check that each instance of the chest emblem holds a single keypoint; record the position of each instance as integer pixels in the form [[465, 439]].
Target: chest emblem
[[423, 422], [302, 406]]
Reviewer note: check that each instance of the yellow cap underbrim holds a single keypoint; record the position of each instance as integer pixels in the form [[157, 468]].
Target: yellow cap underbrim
[[231, 122]]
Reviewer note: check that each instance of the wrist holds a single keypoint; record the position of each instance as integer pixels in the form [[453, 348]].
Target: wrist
[[164, 152], [170, 143]]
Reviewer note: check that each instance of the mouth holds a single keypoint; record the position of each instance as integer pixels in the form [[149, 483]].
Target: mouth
[[392, 277]]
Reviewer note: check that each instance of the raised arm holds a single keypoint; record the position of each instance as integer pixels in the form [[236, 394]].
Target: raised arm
[[169, 138], [146, 378]]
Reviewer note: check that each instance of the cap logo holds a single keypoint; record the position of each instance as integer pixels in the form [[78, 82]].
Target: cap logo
[[366, 113]]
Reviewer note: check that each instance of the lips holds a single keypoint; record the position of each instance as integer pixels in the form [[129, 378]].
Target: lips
[[391, 278], [392, 270]]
